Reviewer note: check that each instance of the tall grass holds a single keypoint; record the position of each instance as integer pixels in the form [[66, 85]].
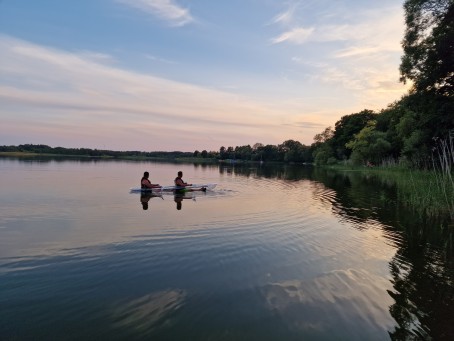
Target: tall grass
[[424, 192], [443, 163], [429, 192]]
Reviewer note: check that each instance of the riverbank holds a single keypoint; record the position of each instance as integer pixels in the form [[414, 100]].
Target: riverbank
[[428, 193]]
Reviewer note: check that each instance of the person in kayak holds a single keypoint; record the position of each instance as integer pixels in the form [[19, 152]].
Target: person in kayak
[[182, 185], [145, 183], [179, 181]]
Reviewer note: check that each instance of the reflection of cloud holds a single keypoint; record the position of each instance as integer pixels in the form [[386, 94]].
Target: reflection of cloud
[[164, 9], [143, 313], [333, 299]]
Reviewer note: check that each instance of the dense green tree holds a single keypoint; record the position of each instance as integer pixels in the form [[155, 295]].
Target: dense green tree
[[387, 122], [428, 61], [290, 151], [428, 46], [222, 153], [369, 145], [323, 154], [268, 152], [243, 152], [345, 129]]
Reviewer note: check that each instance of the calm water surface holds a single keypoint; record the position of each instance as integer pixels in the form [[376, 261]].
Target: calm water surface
[[273, 253]]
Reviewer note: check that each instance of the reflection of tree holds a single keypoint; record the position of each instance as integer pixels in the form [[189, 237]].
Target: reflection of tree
[[422, 269], [269, 171], [358, 198], [423, 293]]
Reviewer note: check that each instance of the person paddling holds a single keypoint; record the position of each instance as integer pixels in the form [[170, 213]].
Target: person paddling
[[145, 183], [180, 183]]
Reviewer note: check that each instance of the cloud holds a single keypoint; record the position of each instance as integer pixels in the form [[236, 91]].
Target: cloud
[[297, 35], [287, 16], [79, 96], [306, 125], [363, 59], [380, 28], [166, 10], [160, 60]]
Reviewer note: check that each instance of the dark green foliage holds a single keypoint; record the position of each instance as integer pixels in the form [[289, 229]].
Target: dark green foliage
[[346, 128], [428, 45]]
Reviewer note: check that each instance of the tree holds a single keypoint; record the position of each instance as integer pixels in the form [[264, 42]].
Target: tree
[[428, 46], [369, 145], [324, 136], [346, 128], [268, 152], [322, 154], [291, 151], [257, 145], [222, 153], [243, 152]]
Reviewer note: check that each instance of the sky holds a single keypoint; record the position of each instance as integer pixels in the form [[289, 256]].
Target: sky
[[186, 75]]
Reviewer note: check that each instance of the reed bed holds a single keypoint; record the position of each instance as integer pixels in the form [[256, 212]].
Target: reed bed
[[429, 192]]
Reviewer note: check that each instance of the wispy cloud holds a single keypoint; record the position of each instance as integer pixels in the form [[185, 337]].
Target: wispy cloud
[[158, 59], [79, 95], [297, 35], [166, 10], [382, 28], [364, 58], [287, 16]]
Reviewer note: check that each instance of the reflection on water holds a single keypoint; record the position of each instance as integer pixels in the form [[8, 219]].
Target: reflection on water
[[423, 292], [305, 305], [422, 269], [143, 314], [145, 198], [282, 252]]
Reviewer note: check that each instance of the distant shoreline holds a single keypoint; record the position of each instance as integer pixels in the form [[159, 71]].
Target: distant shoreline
[[109, 157]]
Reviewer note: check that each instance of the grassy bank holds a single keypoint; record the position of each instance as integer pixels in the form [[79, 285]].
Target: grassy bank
[[427, 192]]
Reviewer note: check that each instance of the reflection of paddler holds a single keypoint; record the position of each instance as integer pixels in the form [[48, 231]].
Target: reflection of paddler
[[178, 197], [145, 198]]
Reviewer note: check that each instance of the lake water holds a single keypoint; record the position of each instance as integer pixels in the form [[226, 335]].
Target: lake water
[[272, 253]]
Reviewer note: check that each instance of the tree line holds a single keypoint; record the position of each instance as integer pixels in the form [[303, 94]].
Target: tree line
[[87, 152]]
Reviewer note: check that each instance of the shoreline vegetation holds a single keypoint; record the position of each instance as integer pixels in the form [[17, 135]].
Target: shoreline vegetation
[[428, 193], [104, 157]]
